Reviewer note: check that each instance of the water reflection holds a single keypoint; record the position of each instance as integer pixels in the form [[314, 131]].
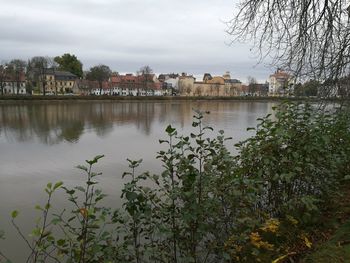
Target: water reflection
[[54, 122]]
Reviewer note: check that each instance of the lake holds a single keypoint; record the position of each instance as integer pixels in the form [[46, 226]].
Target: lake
[[42, 142]]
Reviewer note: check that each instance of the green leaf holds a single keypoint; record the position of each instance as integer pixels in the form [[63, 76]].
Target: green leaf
[[36, 232], [91, 182], [57, 185], [82, 167], [55, 221], [61, 242], [14, 214], [131, 196], [191, 156], [95, 160], [170, 129]]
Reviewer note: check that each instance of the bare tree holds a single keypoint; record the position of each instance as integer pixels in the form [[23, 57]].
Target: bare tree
[[188, 89], [146, 74], [252, 85], [36, 72], [16, 69], [309, 38], [199, 91], [3, 77], [217, 88]]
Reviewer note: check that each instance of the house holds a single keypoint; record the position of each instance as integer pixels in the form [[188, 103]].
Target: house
[[13, 84], [169, 83], [281, 83], [186, 84], [106, 88], [92, 87], [233, 87], [84, 86], [57, 81], [131, 85], [210, 85]]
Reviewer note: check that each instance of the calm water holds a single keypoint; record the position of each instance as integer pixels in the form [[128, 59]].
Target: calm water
[[42, 142]]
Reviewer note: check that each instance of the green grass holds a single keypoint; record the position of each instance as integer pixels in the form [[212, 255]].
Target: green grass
[[149, 98]]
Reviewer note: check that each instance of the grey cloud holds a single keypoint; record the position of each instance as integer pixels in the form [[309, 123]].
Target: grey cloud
[[169, 35]]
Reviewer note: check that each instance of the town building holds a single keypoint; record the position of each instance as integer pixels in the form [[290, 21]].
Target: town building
[[11, 85], [57, 81], [169, 83], [135, 85], [210, 86], [186, 84], [281, 83]]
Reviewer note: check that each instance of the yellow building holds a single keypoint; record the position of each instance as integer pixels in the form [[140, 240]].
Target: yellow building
[[210, 86], [57, 81], [186, 84]]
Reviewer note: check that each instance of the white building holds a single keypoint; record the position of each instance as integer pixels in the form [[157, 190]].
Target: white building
[[281, 83], [10, 87]]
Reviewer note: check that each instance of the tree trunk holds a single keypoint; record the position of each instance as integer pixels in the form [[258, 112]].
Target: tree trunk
[[100, 84], [44, 88], [18, 87]]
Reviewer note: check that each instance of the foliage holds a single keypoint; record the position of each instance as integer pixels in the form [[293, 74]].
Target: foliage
[[309, 88], [207, 205], [70, 63], [100, 74]]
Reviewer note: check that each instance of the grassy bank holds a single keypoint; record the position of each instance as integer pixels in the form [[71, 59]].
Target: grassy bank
[[263, 204], [149, 98]]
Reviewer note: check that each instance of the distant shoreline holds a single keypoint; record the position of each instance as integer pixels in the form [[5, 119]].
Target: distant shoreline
[[155, 98]]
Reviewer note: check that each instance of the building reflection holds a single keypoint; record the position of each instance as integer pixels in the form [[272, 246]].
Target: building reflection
[[55, 122]]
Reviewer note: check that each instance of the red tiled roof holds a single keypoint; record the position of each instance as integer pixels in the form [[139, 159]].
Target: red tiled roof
[[280, 74], [10, 78]]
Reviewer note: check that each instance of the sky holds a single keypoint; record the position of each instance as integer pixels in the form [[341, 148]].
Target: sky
[[168, 35]]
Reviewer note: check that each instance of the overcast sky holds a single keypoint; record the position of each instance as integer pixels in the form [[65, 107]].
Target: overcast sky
[[169, 35]]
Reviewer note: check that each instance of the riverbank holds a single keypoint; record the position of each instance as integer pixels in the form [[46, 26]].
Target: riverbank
[[155, 98]]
